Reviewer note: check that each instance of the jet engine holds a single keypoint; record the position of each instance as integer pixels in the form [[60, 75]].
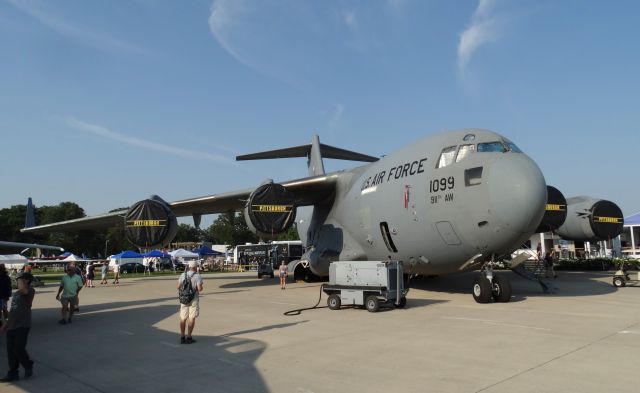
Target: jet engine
[[270, 210], [555, 212], [150, 223], [591, 219]]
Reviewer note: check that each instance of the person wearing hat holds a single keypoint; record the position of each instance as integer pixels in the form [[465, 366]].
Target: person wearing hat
[[17, 329], [189, 312]]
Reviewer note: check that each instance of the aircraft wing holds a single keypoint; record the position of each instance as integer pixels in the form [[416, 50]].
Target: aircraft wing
[[29, 245], [308, 190]]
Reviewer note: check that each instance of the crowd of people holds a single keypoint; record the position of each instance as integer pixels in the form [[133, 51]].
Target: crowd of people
[[15, 316]]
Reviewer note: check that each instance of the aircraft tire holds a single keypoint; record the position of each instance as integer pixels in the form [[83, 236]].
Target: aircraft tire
[[334, 302], [482, 289], [259, 275], [271, 275], [618, 282], [371, 303], [501, 289]]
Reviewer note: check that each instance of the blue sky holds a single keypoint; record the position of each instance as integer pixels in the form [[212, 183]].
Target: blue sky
[[105, 103]]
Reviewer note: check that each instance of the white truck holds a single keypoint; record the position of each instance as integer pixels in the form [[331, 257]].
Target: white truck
[[366, 283]]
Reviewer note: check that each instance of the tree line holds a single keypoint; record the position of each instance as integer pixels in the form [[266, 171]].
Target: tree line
[[228, 228]]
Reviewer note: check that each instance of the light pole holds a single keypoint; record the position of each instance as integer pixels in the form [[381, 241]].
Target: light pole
[[105, 248]]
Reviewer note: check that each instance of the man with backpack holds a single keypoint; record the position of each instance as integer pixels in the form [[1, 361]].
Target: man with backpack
[[189, 286]]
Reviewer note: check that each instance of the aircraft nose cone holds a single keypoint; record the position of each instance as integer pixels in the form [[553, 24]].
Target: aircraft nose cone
[[517, 194]]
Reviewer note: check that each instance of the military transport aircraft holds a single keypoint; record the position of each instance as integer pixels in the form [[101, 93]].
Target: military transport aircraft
[[451, 202]]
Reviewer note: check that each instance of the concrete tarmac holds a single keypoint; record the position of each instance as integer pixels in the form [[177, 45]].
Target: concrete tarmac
[[583, 338]]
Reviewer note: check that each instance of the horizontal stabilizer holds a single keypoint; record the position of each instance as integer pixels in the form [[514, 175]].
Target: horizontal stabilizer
[[305, 150]]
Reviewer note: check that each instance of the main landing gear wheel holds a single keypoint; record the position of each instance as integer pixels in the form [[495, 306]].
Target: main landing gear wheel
[[501, 289], [334, 302], [482, 289], [372, 304]]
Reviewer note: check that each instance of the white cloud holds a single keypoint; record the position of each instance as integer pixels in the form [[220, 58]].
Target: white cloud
[[335, 118], [101, 41], [133, 141], [484, 28], [350, 20], [222, 20]]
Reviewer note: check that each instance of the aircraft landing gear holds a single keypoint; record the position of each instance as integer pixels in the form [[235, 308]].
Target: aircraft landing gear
[[487, 286]]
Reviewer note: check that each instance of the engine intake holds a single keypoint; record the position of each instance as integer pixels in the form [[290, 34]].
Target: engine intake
[[555, 212], [270, 210], [591, 219], [150, 223]]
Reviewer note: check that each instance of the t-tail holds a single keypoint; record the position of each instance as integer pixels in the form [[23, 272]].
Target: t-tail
[[315, 152]]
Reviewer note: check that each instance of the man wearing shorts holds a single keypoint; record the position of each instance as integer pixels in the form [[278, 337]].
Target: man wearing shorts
[[189, 312], [70, 286]]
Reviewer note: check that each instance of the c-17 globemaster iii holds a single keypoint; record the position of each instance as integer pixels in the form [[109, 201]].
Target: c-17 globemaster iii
[[451, 202]]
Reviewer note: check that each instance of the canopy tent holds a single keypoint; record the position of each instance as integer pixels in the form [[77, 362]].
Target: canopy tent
[[73, 258], [156, 254], [125, 257], [206, 251], [632, 224], [13, 261], [182, 253]]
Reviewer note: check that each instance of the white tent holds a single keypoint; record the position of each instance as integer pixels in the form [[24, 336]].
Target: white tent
[[73, 258], [13, 261], [184, 254]]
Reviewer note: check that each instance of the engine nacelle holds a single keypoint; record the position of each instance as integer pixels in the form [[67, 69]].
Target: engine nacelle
[[555, 212], [270, 210], [150, 223], [591, 219]]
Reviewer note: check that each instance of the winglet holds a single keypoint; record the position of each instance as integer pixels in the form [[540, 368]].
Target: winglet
[[315, 152]]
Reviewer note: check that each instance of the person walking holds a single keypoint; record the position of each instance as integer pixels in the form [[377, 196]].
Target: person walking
[[5, 293], [70, 286], [191, 310], [548, 263], [17, 329], [283, 275], [90, 274], [116, 273], [104, 272]]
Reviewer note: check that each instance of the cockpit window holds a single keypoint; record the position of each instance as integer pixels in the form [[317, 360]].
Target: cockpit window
[[464, 151], [491, 147], [446, 157], [512, 147]]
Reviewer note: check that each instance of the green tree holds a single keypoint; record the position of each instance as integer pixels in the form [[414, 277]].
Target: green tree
[[189, 233], [230, 228]]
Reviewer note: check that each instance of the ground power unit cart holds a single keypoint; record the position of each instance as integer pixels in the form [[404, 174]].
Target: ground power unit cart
[[365, 283]]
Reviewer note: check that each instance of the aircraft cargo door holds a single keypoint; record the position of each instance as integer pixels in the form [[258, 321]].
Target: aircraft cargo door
[[447, 233]]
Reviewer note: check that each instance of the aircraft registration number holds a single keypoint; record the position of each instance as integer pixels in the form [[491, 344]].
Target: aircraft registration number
[[442, 184]]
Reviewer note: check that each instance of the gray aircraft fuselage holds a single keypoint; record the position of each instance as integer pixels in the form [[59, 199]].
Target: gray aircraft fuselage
[[433, 213]]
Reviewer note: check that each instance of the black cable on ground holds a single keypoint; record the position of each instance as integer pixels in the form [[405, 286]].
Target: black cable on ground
[[299, 311]]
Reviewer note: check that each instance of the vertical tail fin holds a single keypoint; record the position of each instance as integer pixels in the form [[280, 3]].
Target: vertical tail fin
[[314, 160], [30, 219]]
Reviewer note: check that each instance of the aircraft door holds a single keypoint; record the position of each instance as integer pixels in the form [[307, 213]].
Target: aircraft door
[[447, 233]]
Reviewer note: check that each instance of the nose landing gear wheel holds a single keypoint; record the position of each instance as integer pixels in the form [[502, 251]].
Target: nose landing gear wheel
[[482, 291], [501, 289]]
